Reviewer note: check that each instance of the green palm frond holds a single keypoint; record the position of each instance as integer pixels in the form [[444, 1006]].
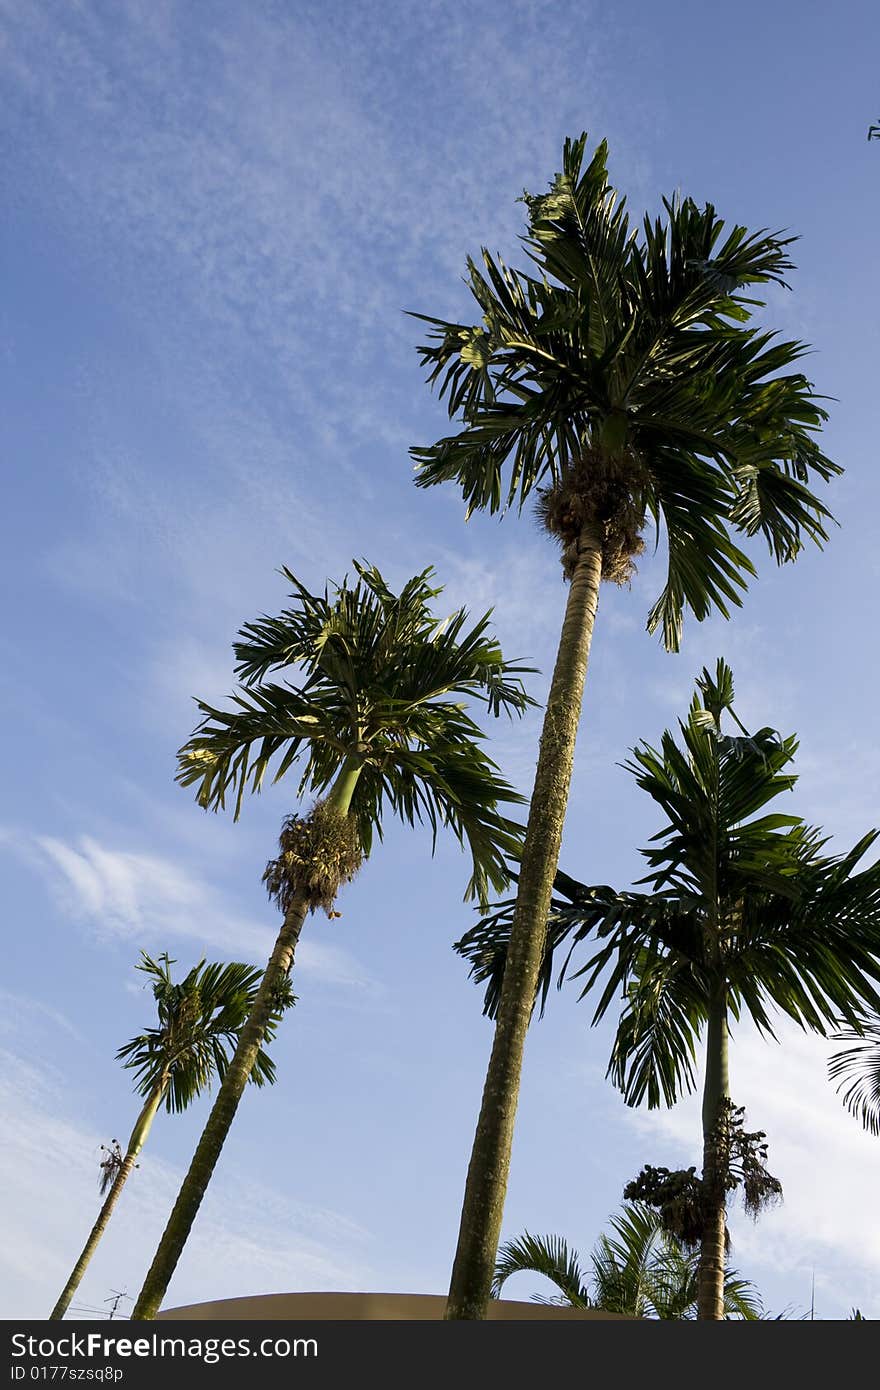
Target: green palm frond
[[200, 1018], [636, 338], [385, 682], [856, 1069], [547, 1255]]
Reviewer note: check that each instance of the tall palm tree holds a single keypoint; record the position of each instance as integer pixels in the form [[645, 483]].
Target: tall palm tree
[[622, 383], [199, 1022], [743, 912], [857, 1069], [639, 1269], [378, 719]]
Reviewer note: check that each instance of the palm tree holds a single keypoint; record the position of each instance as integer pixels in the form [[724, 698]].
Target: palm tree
[[377, 718], [857, 1068], [743, 912], [621, 382], [199, 1021], [640, 1269]]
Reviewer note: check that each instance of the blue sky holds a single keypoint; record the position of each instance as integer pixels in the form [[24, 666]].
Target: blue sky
[[215, 215]]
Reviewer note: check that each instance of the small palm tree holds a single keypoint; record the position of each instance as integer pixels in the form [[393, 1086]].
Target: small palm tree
[[640, 1270], [378, 718], [622, 384], [199, 1022], [857, 1069], [743, 912]]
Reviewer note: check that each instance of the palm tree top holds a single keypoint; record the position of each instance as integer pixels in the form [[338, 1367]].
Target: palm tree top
[[200, 1018], [734, 893], [635, 343], [383, 684]]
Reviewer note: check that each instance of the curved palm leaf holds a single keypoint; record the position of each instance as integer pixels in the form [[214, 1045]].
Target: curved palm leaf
[[547, 1255], [857, 1070]]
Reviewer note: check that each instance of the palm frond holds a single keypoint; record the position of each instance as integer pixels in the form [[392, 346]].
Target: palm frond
[[547, 1255], [856, 1069]]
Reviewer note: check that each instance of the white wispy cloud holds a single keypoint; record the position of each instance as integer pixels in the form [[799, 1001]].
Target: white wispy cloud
[[147, 897], [286, 194]]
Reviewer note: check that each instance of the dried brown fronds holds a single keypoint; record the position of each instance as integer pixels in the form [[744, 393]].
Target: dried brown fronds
[[602, 488], [318, 854]]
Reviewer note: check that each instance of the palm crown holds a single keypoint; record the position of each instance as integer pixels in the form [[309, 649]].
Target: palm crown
[[739, 900], [381, 686], [200, 1018], [633, 347], [380, 713]]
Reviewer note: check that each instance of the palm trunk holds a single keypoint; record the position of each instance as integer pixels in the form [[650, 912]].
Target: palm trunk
[[135, 1144], [222, 1114], [486, 1185], [711, 1271]]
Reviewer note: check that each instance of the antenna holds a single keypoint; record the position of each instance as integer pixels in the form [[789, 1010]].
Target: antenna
[[115, 1296], [813, 1297]]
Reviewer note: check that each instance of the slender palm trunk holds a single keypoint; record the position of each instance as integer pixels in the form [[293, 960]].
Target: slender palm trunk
[[222, 1114], [716, 1091], [135, 1144], [486, 1185]]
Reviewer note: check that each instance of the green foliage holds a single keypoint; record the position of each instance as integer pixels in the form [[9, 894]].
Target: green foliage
[[200, 1019], [636, 339], [638, 1269], [736, 896], [857, 1069], [382, 683]]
